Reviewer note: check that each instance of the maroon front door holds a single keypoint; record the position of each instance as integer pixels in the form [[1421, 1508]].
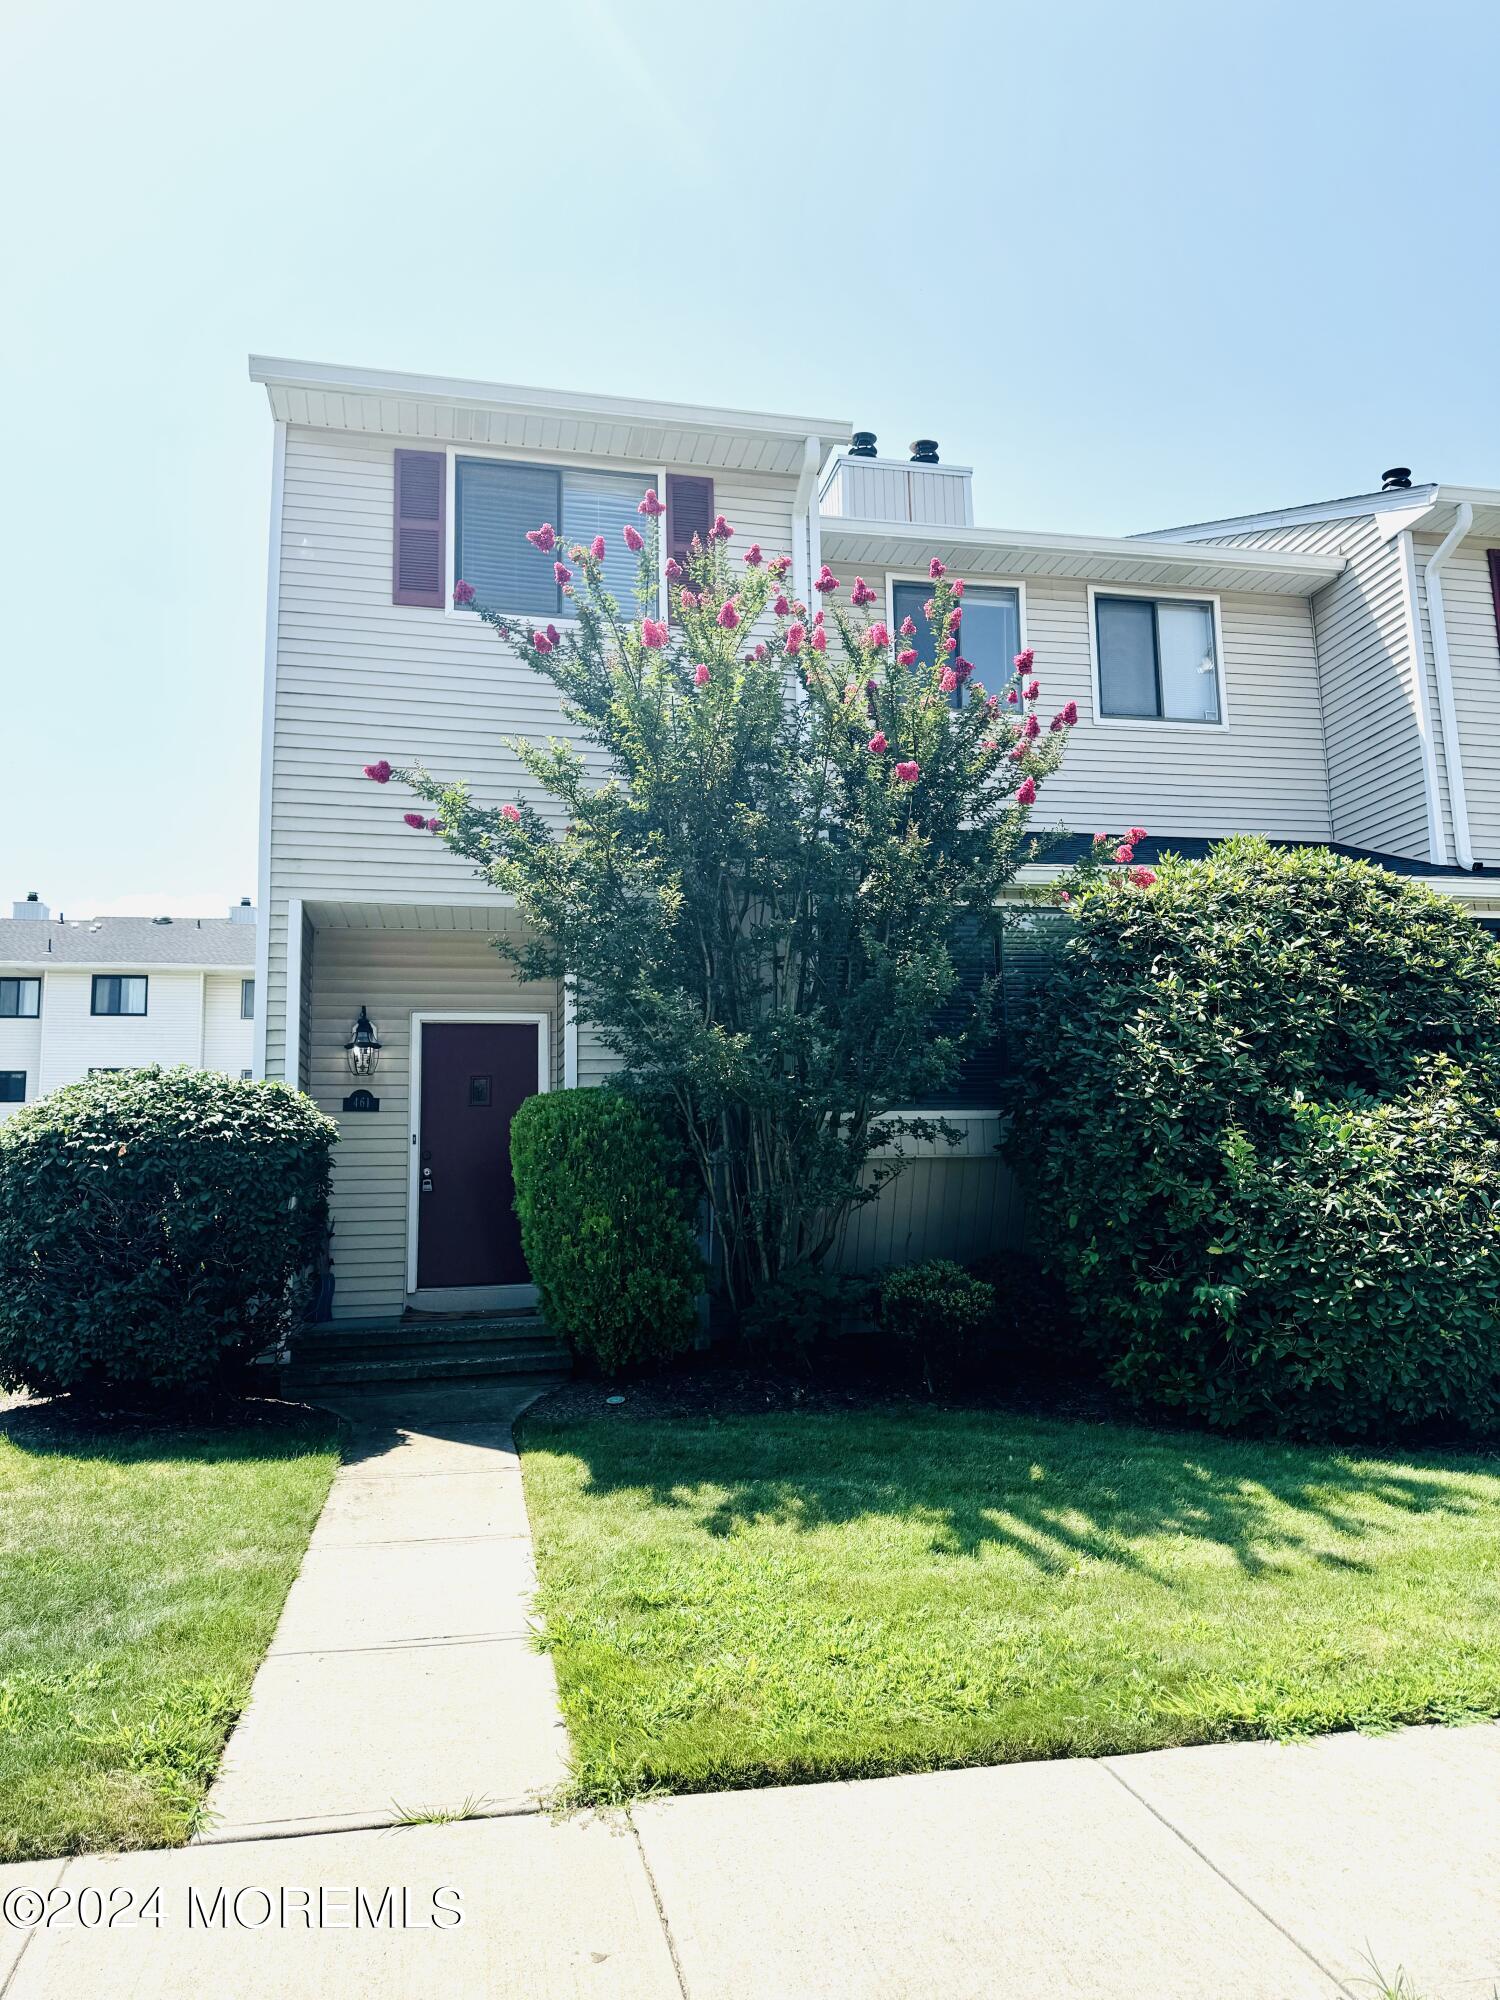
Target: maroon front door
[[474, 1075]]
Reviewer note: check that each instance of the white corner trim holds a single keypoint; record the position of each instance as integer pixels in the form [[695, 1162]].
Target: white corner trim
[[541, 1022], [1437, 840], [294, 991], [805, 522], [1442, 666], [1158, 594], [268, 752], [570, 1033]]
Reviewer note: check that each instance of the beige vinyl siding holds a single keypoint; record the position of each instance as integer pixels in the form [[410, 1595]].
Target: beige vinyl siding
[[358, 678], [1377, 793], [1263, 773], [395, 974], [228, 1040], [1474, 656]]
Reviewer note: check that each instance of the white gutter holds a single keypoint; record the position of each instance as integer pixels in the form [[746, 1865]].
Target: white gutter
[[1443, 669], [1437, 839], [806, 547]]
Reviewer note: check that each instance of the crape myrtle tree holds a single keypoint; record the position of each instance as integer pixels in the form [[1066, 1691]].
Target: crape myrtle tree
[[780, 900]]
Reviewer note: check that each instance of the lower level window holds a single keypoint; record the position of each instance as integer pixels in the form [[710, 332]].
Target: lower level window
[[119, 993], [12, 1086], [1157, 659], [991, 632]]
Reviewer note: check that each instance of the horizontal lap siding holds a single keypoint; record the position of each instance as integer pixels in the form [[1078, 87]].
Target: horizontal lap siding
[[76, 1040], [21, 1048], [1265, 773], [1377, 793], [1474, 655], [394, 974], [228, 1039]]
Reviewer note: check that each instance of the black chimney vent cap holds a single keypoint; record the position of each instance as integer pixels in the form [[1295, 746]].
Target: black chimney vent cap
[[924, 451], [1395, 479], [862, 445]]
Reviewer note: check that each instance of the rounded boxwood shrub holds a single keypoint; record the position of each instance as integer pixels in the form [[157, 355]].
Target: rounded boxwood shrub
[[1256, 1127], [605, 1225], [157, 1228], [935, 1312]]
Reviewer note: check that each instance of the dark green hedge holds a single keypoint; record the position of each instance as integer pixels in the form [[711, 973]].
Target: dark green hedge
[[605, 1225], [1257, 1129], [157, 1227]]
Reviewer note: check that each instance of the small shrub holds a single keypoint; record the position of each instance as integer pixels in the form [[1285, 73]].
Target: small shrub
[[807, 1312], [605, 1226], [936, 1312], [157, 1228], [1257, 1134]]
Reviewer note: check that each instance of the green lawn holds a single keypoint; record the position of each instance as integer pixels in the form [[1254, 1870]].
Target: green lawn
[[142, 1571], [761, 1599]]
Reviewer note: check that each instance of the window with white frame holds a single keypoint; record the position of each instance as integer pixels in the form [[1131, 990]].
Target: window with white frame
[[247, 999], [990, 636], [496, 502], [116, 993], [1158, 659], [20, 999]]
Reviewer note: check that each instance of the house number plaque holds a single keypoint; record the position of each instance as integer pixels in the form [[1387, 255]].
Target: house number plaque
[[361, 1100]]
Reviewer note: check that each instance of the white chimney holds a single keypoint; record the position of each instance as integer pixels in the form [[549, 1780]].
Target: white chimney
[[32, 907], [242, 913], [859, 485]]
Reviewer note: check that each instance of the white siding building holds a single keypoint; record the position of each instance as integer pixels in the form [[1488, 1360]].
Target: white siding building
[[1278, 675], [120, 992]]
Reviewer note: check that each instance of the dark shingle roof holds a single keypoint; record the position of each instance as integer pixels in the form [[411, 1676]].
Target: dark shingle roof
[[127, 941]]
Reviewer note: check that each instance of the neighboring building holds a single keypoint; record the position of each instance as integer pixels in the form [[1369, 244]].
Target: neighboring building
[[117, 992], [1217, 671]]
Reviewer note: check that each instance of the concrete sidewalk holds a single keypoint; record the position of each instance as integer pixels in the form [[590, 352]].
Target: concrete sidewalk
[[1244, 1872], [402, 1677]]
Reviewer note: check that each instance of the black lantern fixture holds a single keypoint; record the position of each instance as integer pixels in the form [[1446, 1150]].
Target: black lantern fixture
[[362, 1050]]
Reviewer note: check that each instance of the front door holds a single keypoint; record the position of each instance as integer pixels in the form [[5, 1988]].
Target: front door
[[474, 1076]]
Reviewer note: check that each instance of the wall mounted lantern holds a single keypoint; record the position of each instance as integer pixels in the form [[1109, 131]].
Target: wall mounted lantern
[[362, 1050]]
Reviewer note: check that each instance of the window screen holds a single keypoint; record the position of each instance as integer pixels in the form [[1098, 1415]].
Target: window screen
[[498, 502]]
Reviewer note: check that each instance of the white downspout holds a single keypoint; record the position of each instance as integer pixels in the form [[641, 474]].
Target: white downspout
[[806, 539], [1406, 559], [1442, 666]]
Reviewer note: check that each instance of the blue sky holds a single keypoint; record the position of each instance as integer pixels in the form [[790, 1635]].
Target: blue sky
[[1137, 264]]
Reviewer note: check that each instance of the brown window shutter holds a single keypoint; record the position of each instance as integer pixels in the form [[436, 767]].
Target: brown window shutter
[[690, 511], [421, 509]]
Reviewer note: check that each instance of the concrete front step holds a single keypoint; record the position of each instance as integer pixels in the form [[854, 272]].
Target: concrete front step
[[356, 1336], [426, 1365]]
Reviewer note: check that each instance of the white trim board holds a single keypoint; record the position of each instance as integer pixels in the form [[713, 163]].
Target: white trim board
[[268, 753], [506, 1018]]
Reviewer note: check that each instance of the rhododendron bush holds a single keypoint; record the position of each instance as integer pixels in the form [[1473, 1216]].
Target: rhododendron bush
[[1258, 1128], [771, 874]]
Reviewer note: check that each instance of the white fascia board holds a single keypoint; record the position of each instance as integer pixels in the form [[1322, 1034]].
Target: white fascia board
[[519, 400], [1313, 571], [1291, 517]]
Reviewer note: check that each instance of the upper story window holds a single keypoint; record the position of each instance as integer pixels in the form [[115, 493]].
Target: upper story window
[[20, 999], [247, 999], [116, 993], [991, 632], [497, 501], [1158, 659]]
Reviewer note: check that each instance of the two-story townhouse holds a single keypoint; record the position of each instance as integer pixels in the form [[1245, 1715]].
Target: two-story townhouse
[[1203, 710], [119, 992]]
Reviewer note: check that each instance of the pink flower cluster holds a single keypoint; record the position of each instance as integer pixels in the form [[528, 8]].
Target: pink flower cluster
[[650, 505], [512, 813], [701, 677], [379, 772], [879, 634], [596, 546], [543, 538], [721, 530], [861, 593], [877, 745], [420, 825], [1026, 792], [825, 583], [653, 633], [546, 641], [463, 593], [729, 615], [909, 772], [753, 557], [633, 539]]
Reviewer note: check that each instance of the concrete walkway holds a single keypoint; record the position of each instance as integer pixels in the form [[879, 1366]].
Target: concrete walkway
[[1247, 1872], [402, 1678]]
